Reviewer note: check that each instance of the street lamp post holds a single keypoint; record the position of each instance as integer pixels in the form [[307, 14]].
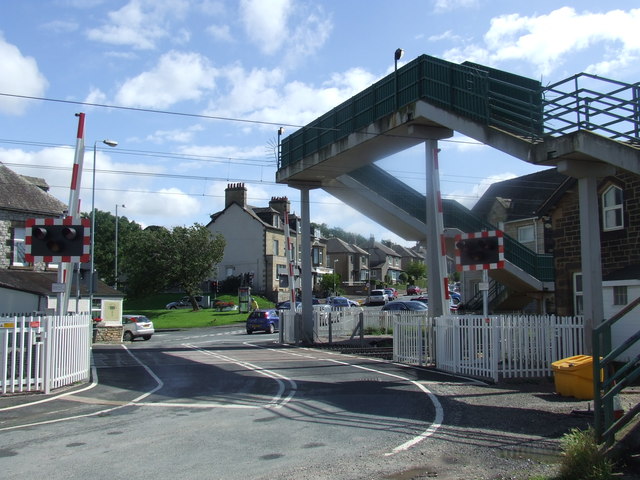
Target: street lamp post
[[334, 276], [116, 265], [111, 143], [280, 132], [396, 56]]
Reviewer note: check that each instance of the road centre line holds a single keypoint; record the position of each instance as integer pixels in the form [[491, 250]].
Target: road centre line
[[277, 400], [435, 425]]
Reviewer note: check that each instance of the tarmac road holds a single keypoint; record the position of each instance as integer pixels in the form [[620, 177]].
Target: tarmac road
[[217, 403]]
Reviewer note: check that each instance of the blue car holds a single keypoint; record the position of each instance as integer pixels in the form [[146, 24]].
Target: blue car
[[263, 321]]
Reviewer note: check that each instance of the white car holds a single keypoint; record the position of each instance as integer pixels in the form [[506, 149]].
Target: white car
[[134, 326], [377, 296]]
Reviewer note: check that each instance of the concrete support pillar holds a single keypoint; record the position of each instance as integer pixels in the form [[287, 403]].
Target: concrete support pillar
[[307, 278], [587, 173], [436, 254]]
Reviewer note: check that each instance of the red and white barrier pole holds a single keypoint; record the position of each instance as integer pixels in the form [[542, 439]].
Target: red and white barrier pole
[[65, 270]]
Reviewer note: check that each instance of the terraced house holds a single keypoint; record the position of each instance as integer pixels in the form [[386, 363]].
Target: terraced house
[[256, 243]]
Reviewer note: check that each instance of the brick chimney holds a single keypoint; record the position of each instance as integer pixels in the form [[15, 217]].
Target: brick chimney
[[280, 204], [235, 193]]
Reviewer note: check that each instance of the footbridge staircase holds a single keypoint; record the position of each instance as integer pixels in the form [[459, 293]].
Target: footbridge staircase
[[584, 120]]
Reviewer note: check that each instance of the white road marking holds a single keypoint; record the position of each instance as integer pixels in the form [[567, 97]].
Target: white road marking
[[276, 402], [435, 425]]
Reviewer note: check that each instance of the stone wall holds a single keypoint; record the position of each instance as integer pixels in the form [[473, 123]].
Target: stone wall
[[107, 334], [619, 248]]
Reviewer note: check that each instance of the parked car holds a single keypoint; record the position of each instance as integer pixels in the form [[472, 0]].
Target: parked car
[[377, 296], [392, 293], [404, 305], [135, 326], [454, 302], [421, 298], [185, 302], [413, 290], [286, 305], [267, 320], [342, 302]]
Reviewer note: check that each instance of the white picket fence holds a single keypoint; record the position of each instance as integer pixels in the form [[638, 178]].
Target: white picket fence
[[43, 353], [495, 348], [500, 347]]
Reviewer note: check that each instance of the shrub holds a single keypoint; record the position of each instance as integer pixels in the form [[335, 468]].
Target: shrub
[[582, 458]]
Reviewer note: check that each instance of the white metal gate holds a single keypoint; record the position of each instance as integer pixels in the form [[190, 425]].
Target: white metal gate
[[43, 353]]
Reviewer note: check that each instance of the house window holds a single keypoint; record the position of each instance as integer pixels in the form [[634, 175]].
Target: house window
[[578, 305], [620, 295], [17, 255], [276, 247], [317, 256], [612, 209], [526, 234]]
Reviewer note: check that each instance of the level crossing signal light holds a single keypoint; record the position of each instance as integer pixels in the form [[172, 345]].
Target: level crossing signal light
[[50, 241], [474, 251], [479, 250]]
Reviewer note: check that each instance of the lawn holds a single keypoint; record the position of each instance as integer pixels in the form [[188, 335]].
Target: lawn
[[153, 308]]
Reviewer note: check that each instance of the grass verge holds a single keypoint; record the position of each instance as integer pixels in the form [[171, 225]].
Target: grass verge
[[153, 307]]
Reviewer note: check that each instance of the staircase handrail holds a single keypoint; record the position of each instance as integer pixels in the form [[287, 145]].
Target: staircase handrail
[[607, 382]]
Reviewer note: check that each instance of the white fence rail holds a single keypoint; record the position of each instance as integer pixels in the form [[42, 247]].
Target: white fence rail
[[43, 353], [506, 346]]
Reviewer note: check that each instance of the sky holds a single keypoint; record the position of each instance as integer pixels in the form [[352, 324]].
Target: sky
[[194, 91]]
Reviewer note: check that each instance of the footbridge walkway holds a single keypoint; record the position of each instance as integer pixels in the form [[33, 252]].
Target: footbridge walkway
[[580, 119], [586, 126]]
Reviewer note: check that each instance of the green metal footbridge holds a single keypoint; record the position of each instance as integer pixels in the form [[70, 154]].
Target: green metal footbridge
[[584, 122]]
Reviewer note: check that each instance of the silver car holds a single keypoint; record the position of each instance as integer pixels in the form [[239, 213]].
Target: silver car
[[377, 296], [135, 326]]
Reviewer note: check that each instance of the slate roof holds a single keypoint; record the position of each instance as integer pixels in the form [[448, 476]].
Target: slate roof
[[39, 283], [526, 195], [337, 245], [18, 194]]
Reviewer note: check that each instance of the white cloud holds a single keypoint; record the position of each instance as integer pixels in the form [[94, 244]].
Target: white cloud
[[20, 76], [265, 23], [140, 23], [447, 5], [221, 33], [469, 197], [547, 41], [285, 28], [61, 26], [263, 95], [96, 96], [177, 77], [185, 135]]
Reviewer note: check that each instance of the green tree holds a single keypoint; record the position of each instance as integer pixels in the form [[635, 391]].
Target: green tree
[[331, 283], [105, 243], [158, 258], [416, 270]]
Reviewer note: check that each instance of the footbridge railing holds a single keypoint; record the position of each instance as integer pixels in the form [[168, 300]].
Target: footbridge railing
[[589, 102], [537, 265]]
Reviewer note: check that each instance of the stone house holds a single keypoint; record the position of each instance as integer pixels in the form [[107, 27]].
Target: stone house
[[256, 244], [24, 287], [546, 205], [351, 262], [384, 262]]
